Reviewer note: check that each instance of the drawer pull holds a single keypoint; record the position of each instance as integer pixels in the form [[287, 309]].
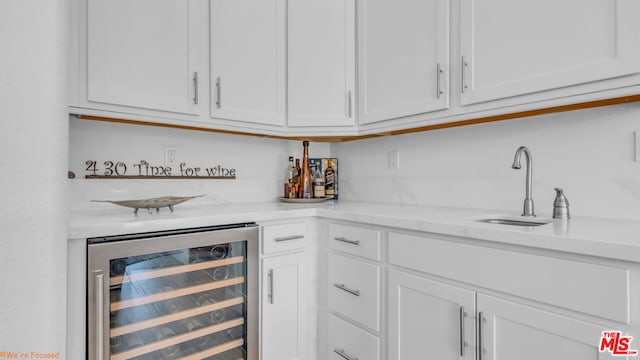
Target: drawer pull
[[289, 238], [350, 291], [344, 355], [345, 240]]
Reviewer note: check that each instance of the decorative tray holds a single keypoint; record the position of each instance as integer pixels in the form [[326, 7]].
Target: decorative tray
[[312, 200], [153, 203]]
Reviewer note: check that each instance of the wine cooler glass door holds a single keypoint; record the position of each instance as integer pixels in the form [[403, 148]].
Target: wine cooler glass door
[[176, 297]]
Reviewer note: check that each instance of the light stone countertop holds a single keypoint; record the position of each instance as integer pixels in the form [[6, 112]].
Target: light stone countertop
[[611, 238]]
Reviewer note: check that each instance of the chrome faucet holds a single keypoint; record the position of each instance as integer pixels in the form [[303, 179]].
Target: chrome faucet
[[528, 200]]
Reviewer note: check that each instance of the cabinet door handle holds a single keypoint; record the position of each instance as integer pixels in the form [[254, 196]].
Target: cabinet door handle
[[345, 240], [195, 88], [289, 238], [99, 293], [349, 104], [350, 291], [465, 64], [218, 93], [270, 292], [439, 81], [481, 350], [463, 344], [344, 355]]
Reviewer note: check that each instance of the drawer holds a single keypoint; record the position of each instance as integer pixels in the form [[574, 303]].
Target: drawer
[[354, 290], [355, 240], [349, 341], [284, 237], [574, 285]]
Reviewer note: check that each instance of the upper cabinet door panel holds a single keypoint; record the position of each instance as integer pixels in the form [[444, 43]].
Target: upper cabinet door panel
[[403, 58], [516, 47], [321, 62], [143, 54], [248, 60]]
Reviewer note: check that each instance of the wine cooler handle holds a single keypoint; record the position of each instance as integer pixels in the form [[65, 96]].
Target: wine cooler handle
[[345, 240], [344, 355], [350, 291], [481, 349], [270, 293], [99, 277], [288, 238], [463, 344]]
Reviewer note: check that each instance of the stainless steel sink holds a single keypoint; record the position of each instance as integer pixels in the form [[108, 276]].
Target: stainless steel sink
[[513, 222]]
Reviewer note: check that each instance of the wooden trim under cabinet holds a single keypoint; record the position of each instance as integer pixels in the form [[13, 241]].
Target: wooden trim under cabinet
[[509, 116]]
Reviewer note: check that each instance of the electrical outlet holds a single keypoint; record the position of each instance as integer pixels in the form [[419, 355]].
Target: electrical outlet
[[394, 159], [170, 156]]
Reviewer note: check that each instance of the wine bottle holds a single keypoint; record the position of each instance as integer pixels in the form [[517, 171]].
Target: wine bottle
[[289, 178], [194, 324], [306, 184], [296, 180], [318, 182], [219, 251], [117, 267], [329, 180], [169, 352]]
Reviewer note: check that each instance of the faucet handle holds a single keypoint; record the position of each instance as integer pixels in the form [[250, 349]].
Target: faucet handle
[[560, 205]]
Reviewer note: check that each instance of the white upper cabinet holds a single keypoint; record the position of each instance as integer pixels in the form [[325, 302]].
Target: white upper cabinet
[[248, 67], [517, 47], [321, 62], [144, 54], [403, 58]]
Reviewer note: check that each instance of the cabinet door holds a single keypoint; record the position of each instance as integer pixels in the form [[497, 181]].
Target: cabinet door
[[248, 60], [509, 330], [283, 307], [426, 315], [144, 54], [519, 47], [403, 63], [321, 62]]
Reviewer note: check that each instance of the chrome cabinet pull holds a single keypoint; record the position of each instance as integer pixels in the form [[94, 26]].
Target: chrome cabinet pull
[[345, 240], [439, 81], [349, 105], [195, 88], [350, 291], [289, 238], [218, 93], [99, 277], [463, 344], [270, 293], [465, 64], [344, 355], [481, 350]]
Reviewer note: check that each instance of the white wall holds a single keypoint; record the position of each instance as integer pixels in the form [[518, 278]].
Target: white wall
[[260, 163], [33, 139], [588, 152]]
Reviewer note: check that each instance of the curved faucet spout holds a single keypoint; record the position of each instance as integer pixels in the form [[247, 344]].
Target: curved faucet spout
[[528, 200]]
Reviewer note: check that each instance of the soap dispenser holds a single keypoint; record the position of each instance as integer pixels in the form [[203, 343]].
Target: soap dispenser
[[560, 205]]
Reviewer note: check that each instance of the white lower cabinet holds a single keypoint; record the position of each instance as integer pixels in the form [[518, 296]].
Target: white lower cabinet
[[283, 307], [426, 314], [509, 330]]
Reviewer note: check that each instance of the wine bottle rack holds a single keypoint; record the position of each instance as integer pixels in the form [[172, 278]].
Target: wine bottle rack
[[179, 304]]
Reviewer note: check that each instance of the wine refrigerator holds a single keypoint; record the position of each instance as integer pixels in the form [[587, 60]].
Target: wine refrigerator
[[185, 294]]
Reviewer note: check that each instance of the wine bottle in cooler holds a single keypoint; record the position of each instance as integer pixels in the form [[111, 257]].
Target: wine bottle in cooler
[[170, 352], [306, 183]]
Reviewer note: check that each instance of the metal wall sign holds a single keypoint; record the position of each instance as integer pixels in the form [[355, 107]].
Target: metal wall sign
[[145, 170]]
